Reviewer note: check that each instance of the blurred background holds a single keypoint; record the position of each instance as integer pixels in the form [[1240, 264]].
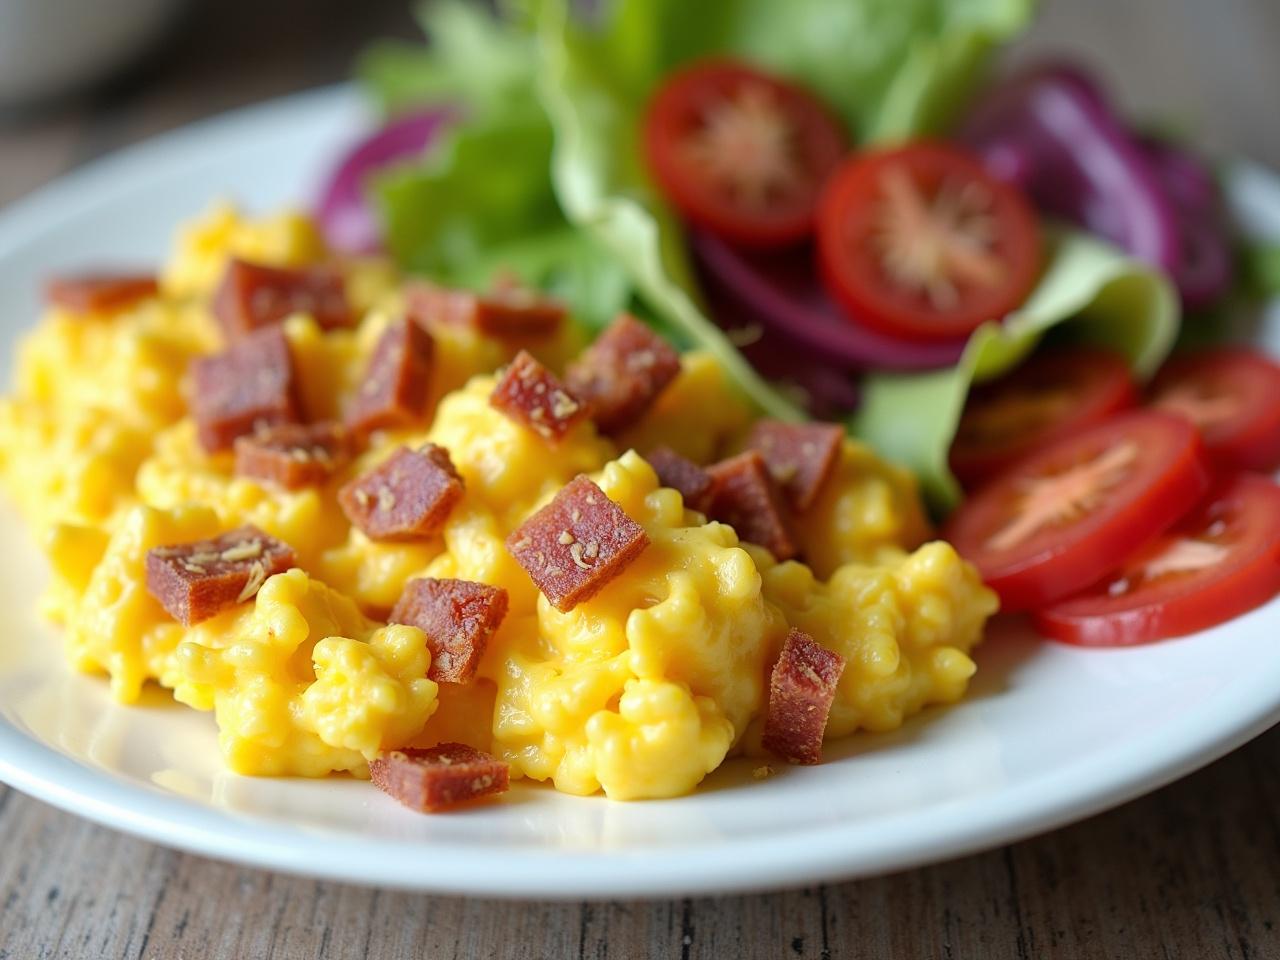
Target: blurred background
[[65, 97]]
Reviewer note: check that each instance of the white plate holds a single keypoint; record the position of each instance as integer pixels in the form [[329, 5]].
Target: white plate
[[1050, 733]]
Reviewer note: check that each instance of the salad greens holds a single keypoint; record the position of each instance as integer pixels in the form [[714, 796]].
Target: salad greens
[[481, 200], [543, 173], [1109, 299]]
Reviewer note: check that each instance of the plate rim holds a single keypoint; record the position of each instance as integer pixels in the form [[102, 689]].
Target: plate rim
[[762, 863]]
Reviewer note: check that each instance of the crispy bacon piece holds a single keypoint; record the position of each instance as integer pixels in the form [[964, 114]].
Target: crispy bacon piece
[[679, 473], [394, 389], [293, 455], [195, 581], [509, 310], [800, 456], [438, 777], [100, 292], [458, 617], [406, 497], [620, 375], [745, 497], [801, 690], [248, 386], [253, 295], [576, 544], [534, 397]]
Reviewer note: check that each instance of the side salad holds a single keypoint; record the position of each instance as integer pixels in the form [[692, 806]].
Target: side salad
[[983, 280]]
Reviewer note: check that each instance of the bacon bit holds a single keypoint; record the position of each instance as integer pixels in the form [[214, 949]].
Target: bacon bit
[[802, 688], [394, 389], [458, 617], [746, 498], [100, 292], [407, 497], [674, 471], [508, 310], [439, 777], [576, 544], [292, 455], [248, 386], [195, 581], [800, 456], [1052, 500], [534, 397], [254, 295], [620, 375]]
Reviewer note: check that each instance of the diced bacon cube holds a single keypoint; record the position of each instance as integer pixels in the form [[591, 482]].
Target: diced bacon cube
[[195, 581], [682, 474], [745, 497], [409, 496], [100, 292], [509, 310], [254, 295], [248, 386], [533, 396], [800, 456], [439, 777], [394, 390], [293, 455], [576, 544], [620, 375], [458, 617], [801, 691]]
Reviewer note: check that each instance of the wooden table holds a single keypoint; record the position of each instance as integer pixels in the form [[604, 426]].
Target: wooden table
[[1191, 871]]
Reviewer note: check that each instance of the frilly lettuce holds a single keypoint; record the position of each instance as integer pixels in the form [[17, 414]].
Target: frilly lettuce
[[1109, 299]]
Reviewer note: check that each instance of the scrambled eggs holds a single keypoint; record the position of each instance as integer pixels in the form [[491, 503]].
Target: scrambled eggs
[[638, 692]]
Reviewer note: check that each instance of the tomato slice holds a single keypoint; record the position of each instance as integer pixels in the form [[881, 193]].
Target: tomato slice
[[1232, 395], [920, 241], [1221, 561], [1051, 396], [741, 153], [1058, 520]]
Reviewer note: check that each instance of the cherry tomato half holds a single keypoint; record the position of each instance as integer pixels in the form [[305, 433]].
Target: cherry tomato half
[[1221, 561], [1050, 396], [1232, 395], [1059, 520], [741, 153], [921, 242]]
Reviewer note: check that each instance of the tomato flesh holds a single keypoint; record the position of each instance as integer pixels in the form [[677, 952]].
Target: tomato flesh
[[1051, 396], [741, 153], [1232, 395], [1058, 520], [1221, 561], [919, 241]]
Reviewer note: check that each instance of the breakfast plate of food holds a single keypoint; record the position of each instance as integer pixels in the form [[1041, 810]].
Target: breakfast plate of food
[[574, 463]]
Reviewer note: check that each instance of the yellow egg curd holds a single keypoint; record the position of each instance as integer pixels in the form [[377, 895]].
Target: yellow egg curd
[[638, 692]]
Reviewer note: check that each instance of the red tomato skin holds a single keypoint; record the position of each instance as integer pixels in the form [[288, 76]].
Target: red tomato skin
[[1093, 619], [1069, 565], [866, 295], [1251, 442], [667, 115], [1113, 392]]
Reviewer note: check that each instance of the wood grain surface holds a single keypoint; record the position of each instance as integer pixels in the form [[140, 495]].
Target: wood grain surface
[[1191, 871]]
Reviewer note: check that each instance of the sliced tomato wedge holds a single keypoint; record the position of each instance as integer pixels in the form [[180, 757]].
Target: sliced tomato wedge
[[1058, 520], [1053, 395], [1232, 395], [1221, 561], [921, 242], [741, 153]]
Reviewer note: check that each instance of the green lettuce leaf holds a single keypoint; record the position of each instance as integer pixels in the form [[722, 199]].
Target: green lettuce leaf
[[480, 200], [891, 67], [1109, 300]]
